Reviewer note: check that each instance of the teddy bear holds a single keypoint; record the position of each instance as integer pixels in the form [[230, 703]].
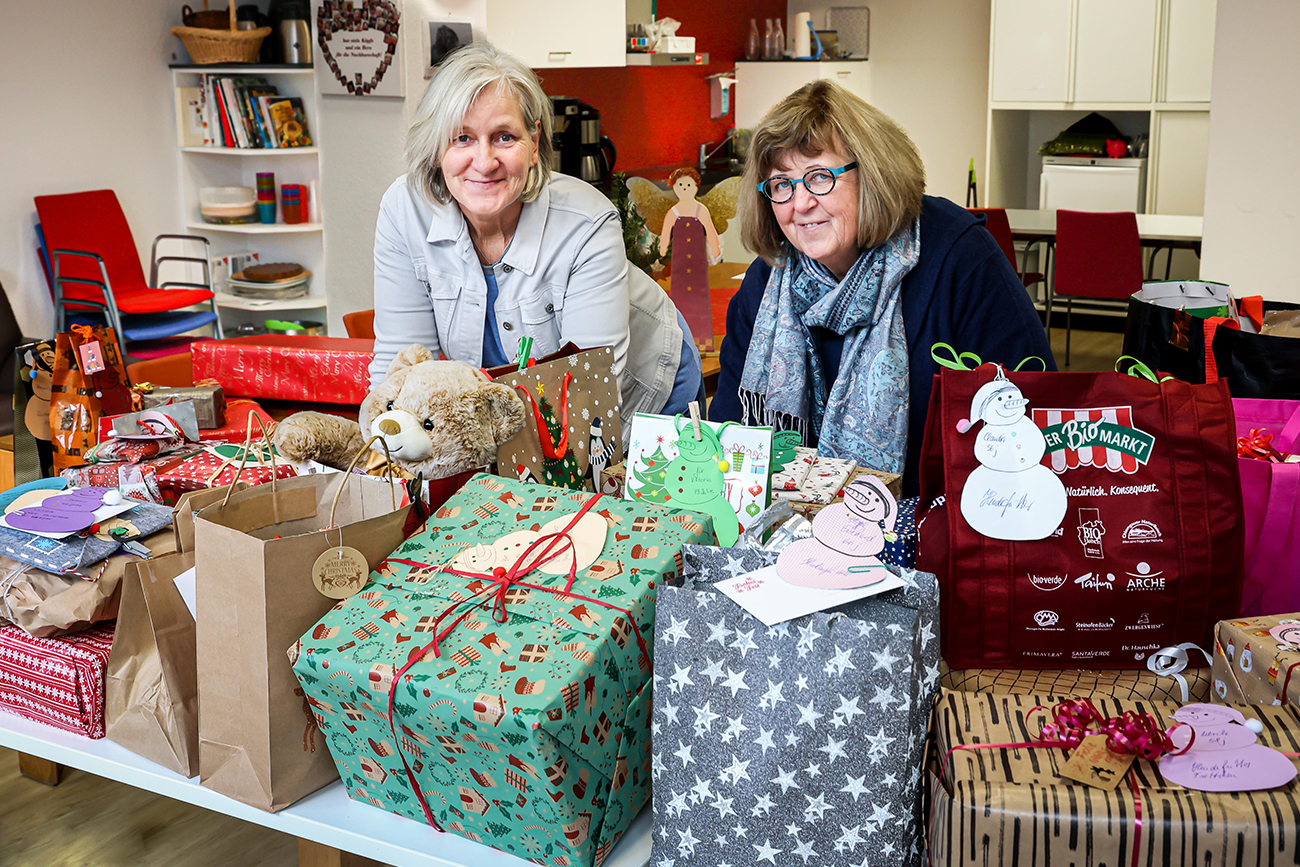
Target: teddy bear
[[438, 418]]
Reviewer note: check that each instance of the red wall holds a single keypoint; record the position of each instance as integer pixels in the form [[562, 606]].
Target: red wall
[[660, 115]]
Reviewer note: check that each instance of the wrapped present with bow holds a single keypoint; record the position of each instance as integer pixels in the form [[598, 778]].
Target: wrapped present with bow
[[207, 395], [1034, 780], [1256, 660], [493, 677], [253, 463]]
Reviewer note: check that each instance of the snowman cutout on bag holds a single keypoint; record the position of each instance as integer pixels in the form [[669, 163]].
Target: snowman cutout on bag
[[1224, 755], [1011, 495]]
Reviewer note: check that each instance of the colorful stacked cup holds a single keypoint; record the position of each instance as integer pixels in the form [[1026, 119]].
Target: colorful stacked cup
[[266, 196], [291, 202]]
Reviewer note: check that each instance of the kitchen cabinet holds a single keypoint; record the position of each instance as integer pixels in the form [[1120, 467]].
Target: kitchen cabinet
[[1114, 50], [1189, 50], [762, 84], [561, 33], [1031, 50], [1182, 141]]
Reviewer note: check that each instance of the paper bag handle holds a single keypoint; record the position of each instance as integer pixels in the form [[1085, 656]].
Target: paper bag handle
[[248, 442], [388, 474]]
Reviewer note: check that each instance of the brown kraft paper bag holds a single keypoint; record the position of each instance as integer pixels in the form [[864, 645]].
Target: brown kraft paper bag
[[151, 691], [573, 429], [258, 740]]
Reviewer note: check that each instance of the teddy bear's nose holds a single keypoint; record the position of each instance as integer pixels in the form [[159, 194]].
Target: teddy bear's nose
[[390, 427]]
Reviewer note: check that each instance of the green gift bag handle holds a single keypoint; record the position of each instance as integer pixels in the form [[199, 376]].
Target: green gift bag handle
[[1138, 369], [955, 360]]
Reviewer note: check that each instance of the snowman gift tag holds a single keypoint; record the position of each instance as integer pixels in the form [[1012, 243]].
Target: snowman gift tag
[[1011, 495], [1224, 755], [847, 537]]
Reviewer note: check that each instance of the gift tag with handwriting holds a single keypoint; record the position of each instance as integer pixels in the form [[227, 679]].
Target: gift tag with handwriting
[[1095, 764], [340, 572]]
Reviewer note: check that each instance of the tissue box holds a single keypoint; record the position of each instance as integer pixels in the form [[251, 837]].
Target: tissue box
[[1009, 805], [1252, 666], [530, 732], [56, 681], [675, 45]]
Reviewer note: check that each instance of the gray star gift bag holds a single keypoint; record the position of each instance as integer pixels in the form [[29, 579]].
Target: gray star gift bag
[[796, 744]]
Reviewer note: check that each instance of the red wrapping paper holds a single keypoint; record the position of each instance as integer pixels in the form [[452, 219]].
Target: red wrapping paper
[[193, 474], [56, 681], [279, 367]]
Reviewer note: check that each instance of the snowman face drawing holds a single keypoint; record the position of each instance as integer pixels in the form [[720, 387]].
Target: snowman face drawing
[[1005, 406], [863, 500]]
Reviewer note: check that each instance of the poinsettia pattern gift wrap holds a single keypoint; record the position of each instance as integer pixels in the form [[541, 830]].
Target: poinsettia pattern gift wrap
[[529, 730], [56, 681], [282, 367]]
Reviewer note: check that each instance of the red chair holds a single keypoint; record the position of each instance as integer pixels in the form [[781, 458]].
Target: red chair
[[1098, 255], [360, 324], [95, 269], [997, 224]]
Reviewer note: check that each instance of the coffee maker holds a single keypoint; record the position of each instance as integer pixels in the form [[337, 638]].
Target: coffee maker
[[580, 149], [565, 139]]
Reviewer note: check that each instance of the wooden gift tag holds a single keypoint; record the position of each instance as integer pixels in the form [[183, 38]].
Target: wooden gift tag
[[1095, 764], [340, 572]]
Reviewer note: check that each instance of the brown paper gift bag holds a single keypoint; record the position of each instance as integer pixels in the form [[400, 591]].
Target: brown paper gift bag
[[151, 692], [571, 400], [258, 741]]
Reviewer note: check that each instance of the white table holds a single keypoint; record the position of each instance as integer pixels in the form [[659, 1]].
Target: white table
[[1151, 227], [328, 817]]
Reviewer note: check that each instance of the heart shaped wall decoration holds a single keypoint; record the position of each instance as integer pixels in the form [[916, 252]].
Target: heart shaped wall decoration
[[360, 44]]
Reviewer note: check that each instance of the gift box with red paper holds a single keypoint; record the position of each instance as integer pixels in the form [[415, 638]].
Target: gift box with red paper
[[527, 728], [216, 467], [282, 367], [56, 681]]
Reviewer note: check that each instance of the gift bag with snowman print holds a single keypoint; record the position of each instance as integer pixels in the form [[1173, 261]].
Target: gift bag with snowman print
[[1078, 520]]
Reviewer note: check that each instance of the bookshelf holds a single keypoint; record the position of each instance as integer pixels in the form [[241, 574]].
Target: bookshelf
[[212, 166]]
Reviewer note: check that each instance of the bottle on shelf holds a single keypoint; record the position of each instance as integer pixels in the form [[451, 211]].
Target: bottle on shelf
[[778, 41], [769, 41], [752, 43]]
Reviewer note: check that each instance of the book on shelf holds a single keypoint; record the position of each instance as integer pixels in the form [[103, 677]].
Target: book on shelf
[[240, 112]]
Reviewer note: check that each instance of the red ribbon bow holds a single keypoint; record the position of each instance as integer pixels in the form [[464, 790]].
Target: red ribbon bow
[[1259, 446], [1136, 733]]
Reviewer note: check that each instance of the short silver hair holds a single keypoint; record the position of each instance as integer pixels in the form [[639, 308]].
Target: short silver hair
[[461, 77]]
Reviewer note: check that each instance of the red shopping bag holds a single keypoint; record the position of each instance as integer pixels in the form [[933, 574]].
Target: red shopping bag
[[1142, 477], [1270, 492]]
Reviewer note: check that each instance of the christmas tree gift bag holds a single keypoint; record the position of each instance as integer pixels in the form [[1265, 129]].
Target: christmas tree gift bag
[[573, 431], [797, 742]]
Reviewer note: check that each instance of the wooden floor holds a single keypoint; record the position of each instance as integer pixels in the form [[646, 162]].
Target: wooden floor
[[88, 821]]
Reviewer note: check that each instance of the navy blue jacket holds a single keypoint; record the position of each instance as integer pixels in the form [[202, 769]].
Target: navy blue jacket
[[963, 291]]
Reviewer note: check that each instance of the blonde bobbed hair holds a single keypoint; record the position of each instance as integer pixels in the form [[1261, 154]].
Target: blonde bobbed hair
[[823, 116], [461, 77]]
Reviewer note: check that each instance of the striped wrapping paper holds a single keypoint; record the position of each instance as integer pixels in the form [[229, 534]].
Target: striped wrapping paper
[[1116, 684], [56, 681], [1010, 806]]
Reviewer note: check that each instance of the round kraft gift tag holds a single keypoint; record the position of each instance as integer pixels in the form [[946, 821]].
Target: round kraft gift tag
[[340, 572]]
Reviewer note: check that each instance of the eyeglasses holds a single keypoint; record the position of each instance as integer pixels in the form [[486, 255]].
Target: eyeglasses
[[819, 182]]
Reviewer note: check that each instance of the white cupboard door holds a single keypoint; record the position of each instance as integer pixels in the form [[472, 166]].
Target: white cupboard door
[[564, 33], [1189, 50], [853, 76], [1181, 148], [1031, 50], [1115, 49]]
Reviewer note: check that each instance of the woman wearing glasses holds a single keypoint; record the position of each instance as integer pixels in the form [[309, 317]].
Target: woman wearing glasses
[[859, 275]]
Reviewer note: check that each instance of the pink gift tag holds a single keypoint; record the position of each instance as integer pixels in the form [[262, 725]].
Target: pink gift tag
[[1245, 769], [1286, 633], [92, 359]]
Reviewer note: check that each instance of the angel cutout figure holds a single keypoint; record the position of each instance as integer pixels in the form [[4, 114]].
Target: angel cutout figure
[[691, 226]]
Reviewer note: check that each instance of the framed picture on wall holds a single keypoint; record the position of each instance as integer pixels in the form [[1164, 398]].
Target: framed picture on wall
[[360, 47], [442, 38]]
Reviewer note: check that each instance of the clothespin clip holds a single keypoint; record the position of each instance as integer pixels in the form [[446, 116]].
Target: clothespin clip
[[695, 419], [525, 352]]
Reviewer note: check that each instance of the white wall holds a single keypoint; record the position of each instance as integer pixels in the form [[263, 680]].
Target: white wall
[[89, 106], [1252, 185], [362, 143], [929, 71]]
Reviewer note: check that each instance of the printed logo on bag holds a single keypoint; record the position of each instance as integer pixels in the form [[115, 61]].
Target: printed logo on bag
[[1091, 529], [1141, 532], [1096, 581], [1143, 623], [1102, 437], [1140, 651], [1089, 654], [1046, 621], [1142, 578], [1096, 625], [1048, 582]]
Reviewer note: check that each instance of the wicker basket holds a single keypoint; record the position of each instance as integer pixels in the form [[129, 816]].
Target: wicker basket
[[222, 46]]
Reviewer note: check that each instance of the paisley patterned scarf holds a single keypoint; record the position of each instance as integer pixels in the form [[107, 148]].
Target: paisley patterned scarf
[[864, 416]]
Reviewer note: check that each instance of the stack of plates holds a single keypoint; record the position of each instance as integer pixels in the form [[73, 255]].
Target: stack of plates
[[292, 287]]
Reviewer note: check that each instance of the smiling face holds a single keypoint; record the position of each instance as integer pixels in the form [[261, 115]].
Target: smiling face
[[824, 228], [1006, 406], [685, 188], [486, 164]]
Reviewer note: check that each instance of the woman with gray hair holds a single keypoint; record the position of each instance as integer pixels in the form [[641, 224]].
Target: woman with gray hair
[[859, 275], [480, 244]]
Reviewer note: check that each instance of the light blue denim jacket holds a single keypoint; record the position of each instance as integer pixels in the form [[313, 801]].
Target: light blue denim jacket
[[564, 278]]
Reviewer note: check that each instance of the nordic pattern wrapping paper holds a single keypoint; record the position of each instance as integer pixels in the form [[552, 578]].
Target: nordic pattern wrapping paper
[[1010, 806], [790, 478], [1253, 667], [530, 736], [1116, 684], [826, 477], [56, 681], [796, 744]]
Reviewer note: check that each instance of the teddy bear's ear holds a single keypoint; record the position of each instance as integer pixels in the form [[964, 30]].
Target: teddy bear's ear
[[505, 410], [409, 357]]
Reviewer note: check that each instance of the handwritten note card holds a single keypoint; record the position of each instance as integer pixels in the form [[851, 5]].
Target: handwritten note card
[[764, 595]]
